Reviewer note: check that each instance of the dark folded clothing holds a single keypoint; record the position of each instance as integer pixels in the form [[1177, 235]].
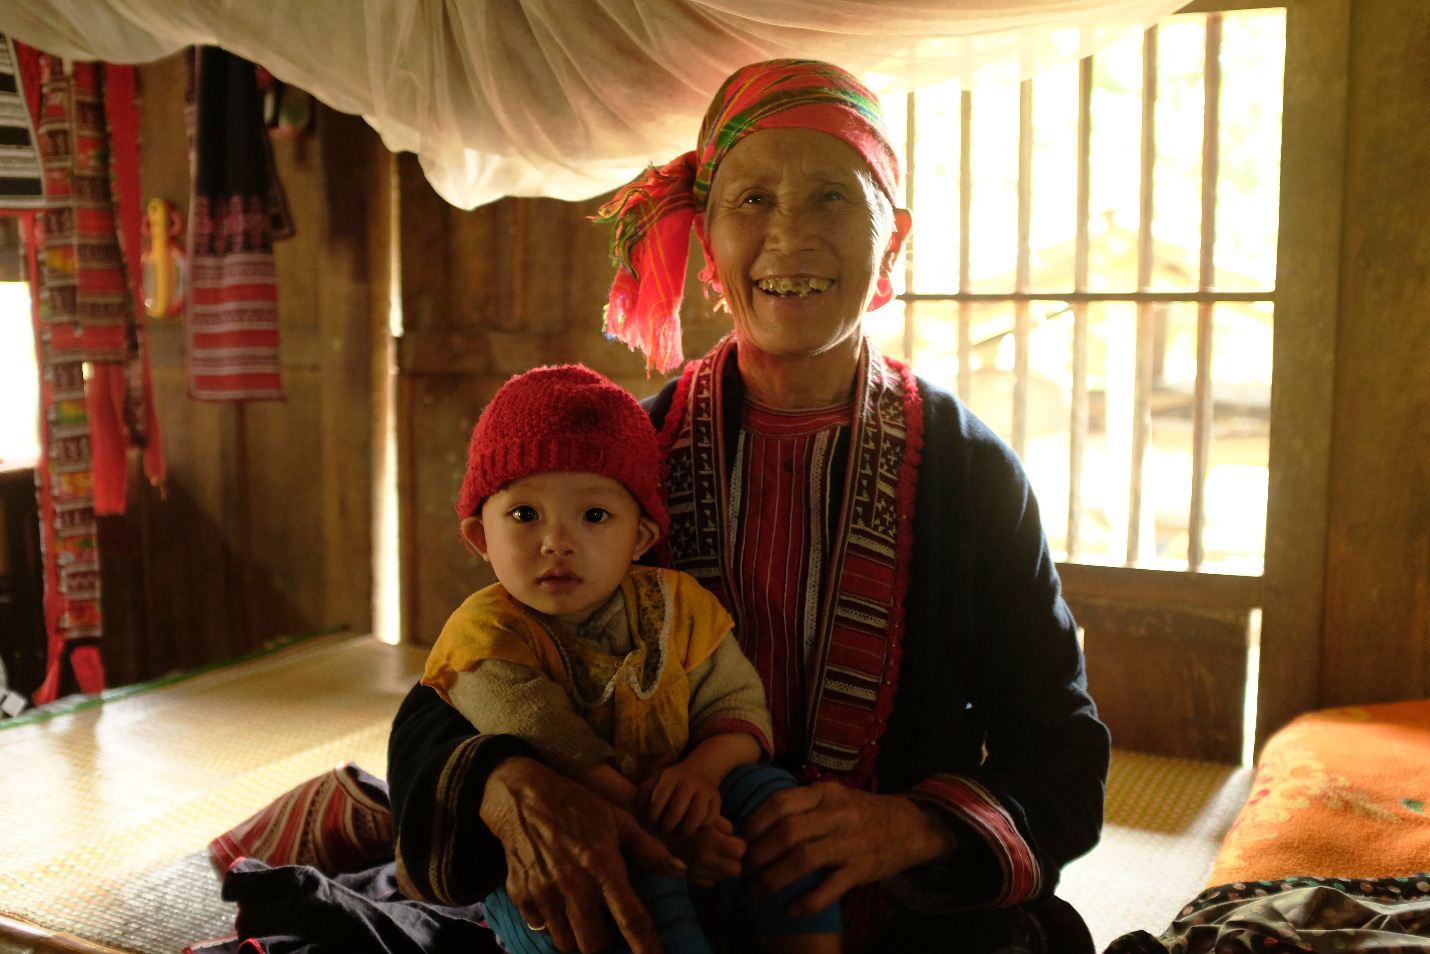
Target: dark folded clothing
[[296, 909]]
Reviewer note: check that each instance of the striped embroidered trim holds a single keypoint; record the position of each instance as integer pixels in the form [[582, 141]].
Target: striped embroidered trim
[[860, 629], [442, 835], [856, 678], [975, 804]]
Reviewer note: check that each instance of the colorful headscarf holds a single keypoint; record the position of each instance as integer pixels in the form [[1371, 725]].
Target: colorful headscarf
[[653, 215]]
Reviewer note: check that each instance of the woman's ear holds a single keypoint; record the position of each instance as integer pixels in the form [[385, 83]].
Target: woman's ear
[[647, 532], [714, 293], [476, 536], [903, 225]]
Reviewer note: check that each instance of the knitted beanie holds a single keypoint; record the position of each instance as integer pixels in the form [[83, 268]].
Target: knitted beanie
[[563, 418]]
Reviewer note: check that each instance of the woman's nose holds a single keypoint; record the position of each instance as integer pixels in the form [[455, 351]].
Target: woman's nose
[[791, 228]]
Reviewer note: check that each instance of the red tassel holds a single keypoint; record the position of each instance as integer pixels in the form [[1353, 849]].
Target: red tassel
[[651, 242]]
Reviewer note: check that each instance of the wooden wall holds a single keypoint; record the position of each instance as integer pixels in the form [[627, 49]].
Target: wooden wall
[[1377, 608], [263, 529], [1347, 616]]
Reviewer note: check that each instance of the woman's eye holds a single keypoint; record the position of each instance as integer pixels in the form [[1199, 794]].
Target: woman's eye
[[754, 198], [523, 514], [833, 195], [597, 515]]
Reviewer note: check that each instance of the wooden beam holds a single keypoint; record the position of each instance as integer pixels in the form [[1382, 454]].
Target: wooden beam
[[1215, 592], [1167, 680], [1308, 269], [1219, 6]]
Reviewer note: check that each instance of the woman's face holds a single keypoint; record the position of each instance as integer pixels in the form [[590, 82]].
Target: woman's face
[[800, 234]]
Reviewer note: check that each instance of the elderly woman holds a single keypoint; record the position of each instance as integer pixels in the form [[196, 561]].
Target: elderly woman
[[879, 548]]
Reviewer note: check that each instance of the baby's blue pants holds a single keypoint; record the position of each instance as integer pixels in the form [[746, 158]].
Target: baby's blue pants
[[668, 899]]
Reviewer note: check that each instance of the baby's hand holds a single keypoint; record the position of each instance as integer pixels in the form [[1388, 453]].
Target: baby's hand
[[711, 855], [679, 801]]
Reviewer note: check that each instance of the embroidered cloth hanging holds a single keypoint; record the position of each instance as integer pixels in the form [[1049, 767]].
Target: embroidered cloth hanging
[[235, 213], [95, 398]]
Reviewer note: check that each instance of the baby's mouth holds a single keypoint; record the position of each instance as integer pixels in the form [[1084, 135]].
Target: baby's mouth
[[800, 287]]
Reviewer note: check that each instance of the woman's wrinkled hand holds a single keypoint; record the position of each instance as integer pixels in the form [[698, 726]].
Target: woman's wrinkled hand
[[859, 837], [566, 851]]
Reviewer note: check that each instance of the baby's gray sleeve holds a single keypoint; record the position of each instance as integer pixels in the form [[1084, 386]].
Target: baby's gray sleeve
[[506, 698], [726, 695]]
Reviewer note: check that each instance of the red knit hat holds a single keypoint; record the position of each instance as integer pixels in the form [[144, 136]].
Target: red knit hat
[[563, 418]]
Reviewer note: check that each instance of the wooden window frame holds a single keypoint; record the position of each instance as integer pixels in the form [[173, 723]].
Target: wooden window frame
[[1276, 670]]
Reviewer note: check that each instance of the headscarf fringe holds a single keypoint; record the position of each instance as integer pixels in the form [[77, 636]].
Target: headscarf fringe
[[644, 306], [636, 205]]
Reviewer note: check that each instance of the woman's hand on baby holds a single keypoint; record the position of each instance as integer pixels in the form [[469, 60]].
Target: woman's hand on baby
[[859, 837], [566, 850], [679, 800]]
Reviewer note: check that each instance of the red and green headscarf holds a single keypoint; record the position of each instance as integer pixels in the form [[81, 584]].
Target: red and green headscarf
[[653, 215]]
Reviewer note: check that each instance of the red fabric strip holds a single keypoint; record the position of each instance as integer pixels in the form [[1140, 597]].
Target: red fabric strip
[[1022, 878], [121, 108]]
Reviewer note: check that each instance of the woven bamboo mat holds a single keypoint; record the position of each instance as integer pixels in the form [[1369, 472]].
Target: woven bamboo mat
[[1164, 823], [108, 809]]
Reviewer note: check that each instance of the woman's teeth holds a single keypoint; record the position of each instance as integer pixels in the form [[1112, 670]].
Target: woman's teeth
[[794, 287]]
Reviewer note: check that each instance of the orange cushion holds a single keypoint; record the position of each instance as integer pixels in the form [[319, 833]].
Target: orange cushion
[[1339, 793]]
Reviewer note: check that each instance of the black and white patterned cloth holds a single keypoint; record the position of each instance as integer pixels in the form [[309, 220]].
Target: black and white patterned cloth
[[21, 183]]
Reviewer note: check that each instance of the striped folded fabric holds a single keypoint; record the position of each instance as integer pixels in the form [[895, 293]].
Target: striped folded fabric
[[338, 821]]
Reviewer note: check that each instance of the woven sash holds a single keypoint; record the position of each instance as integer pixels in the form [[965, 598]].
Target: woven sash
[[857, 633]]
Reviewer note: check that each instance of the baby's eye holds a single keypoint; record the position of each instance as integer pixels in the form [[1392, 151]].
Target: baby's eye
[[524, 514], [597, 515]]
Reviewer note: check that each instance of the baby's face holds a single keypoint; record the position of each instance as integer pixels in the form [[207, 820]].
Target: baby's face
[[561, 542]]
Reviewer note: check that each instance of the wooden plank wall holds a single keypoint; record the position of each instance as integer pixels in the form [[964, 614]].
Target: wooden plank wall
[[1304, 356], [1168, 656], [1377, 609], [263, 528]]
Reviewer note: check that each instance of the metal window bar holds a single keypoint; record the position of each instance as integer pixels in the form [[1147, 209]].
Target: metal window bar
[[1211, 295], [1078, 412], [1145, 298], [911, 131], [965, 242], [1142, 382], [1202, 403], [1022, 314]]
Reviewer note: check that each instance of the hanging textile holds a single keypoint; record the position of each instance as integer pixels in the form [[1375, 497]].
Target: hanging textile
[[21, 184], [94, 390], [569, 100], [235, 213]]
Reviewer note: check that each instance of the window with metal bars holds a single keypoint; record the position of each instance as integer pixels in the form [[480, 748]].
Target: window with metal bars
[[1093, 270]]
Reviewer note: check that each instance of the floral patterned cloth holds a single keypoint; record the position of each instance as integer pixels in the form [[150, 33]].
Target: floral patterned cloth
[[1338, 793], [1321, 915]]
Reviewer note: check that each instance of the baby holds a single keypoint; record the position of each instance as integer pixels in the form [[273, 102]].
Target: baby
[[625, 678]]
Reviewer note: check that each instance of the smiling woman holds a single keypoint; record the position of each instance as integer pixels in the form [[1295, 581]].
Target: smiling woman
[[802, 237]]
